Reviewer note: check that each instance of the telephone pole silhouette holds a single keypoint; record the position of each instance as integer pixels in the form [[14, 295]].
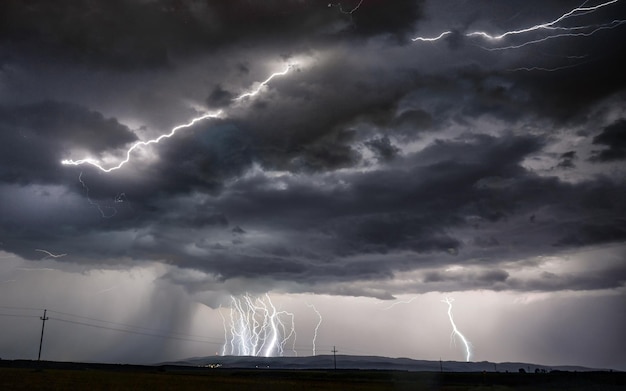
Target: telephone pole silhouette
[[43, 324], [335, 357]]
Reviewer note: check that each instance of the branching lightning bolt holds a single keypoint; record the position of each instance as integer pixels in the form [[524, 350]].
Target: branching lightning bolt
[[344, 11], [578, 11], [256, 328], [104, 215], [319, 323], [552, 27], [138, 144], [216, 114], [455, 330]]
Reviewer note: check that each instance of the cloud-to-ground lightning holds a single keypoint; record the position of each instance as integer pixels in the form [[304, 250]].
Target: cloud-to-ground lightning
[[256, 328], [552, 27], [456, 332], [319, 323]]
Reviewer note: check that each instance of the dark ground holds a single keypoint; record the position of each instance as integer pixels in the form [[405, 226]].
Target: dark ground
[[48, 375]]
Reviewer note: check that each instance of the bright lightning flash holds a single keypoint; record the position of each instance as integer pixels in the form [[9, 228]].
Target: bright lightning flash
[[552, 27], [456, 332], [432, 39], [257, 328], [216, 114], [263, 84], [138, 144], [319, 323]]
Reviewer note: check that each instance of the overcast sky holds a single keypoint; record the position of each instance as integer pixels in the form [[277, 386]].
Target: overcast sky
[[403, 152]]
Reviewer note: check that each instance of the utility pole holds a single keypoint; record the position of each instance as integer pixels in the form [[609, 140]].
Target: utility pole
[[335, 357], [43, 324]]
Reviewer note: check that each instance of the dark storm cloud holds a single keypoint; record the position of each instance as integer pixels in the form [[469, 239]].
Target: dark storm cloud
[[614, 138], [315, 210], [566, 160], [380, 17], [587, 234], [35, 137], [131, 35], [383, 148], [219, 97]]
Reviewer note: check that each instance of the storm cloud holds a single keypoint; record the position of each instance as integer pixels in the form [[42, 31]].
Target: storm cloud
[[371, 164]]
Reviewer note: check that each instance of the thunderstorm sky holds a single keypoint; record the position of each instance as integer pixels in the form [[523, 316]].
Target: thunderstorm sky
[[402, 154]]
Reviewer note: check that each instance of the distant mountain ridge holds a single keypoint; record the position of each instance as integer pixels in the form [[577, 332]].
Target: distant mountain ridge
[[369, 363]]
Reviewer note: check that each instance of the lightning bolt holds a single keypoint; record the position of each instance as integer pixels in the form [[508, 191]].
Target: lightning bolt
[[578, 11], [344, 11], [263, 84], [210, 115], [49, 254], [91, 202], [319, 323], [400, 302], [530, 69], [432, 39], [255, 327], [552, 27], [455, 330], [138, 144]]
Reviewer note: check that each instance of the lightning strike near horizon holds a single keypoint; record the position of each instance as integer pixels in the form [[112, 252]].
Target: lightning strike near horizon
[[257, 328], [319, 323], [455, 330]]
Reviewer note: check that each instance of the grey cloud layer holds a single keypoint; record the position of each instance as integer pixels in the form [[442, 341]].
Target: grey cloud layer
[[380, 157]]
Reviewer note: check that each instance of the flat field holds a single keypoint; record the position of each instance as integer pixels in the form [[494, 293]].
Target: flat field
[[26, 375]]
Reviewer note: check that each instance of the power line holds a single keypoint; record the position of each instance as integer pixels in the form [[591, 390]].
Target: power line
[[19, 316], [21, 308], [125, 325], [137, 332]]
